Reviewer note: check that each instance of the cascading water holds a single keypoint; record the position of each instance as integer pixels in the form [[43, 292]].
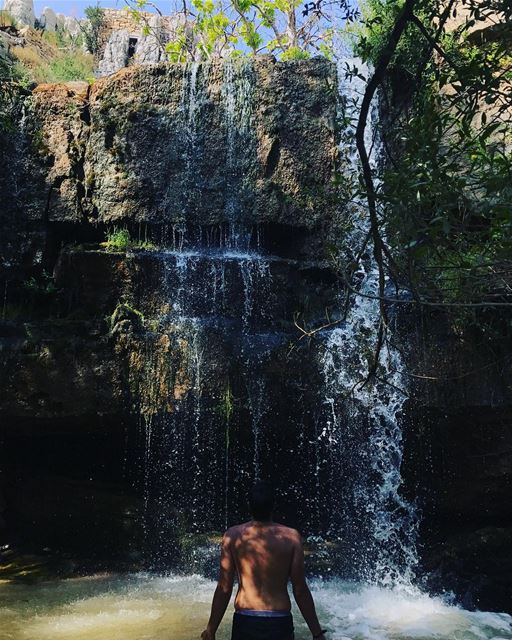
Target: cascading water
[[229, 393], [383, 523], [229, 305]]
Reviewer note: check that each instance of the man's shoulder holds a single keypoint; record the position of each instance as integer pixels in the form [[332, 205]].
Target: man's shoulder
[[289, 532], [235, 530]]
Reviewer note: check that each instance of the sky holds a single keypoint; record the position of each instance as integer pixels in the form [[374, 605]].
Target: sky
[[76, 8]]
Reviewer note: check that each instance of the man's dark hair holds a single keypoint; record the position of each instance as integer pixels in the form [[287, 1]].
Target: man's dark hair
[[261, 500]]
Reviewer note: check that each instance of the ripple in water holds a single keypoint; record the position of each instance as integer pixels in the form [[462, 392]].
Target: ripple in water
[[145, 607]]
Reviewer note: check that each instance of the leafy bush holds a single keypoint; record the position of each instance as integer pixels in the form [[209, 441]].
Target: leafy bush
[[71, 66], [295, 53], [65, 66], [95, 16], [119, 239], [445, 190]]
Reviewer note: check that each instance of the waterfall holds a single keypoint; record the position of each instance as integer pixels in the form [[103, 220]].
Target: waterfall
[[230, 394], [237, 100], [382, 517]]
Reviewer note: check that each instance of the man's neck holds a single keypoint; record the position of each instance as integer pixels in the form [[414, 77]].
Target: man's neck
[[261, 523]]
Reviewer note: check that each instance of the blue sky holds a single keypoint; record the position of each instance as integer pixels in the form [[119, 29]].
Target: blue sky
[[76, 7]]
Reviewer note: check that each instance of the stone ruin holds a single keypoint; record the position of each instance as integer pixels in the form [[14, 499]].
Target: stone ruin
[[123, 38]]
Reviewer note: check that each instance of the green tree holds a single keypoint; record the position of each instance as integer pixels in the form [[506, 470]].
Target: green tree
[[440, 219], [290, 29], [92, 31]]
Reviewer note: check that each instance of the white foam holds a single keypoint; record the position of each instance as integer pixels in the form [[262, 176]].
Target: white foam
[[146, 607], [374, 613]]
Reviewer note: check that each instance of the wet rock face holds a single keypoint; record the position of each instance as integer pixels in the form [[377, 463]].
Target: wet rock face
[[165, 144], [229, 170], [243, 143], [458, 459]]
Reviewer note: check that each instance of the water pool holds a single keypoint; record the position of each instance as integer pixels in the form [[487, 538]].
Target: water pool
[[148, 607]]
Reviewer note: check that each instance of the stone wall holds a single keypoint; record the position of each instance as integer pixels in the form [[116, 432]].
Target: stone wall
[[125, 39], [120, 20]]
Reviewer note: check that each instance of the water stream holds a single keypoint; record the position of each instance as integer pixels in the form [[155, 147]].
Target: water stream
[[147, 607]]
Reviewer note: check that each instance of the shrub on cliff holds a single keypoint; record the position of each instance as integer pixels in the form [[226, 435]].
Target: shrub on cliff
[[440, 214]]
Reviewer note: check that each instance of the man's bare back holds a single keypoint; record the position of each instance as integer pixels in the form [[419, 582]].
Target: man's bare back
[[263, 555]]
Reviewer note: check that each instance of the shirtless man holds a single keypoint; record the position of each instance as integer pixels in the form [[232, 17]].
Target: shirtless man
[[265, 555]]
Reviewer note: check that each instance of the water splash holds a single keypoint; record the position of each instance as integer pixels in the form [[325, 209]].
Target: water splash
[[382, 516], [257, 395], [141, 606]]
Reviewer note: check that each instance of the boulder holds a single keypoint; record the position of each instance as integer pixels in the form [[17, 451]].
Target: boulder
[[72, 26], [22, 11], [49, 19]]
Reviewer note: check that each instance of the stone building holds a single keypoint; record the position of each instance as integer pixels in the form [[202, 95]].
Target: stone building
[[125, 39]]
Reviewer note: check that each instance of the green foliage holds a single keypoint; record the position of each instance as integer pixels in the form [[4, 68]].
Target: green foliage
[[96, 17], [10, 85], [250, 36], [227, 406], [119, 239], [446, 190], [125, 311], [63, 61], [369, 37], [177, 49], [295, 53], [272, 26], [70, 66]]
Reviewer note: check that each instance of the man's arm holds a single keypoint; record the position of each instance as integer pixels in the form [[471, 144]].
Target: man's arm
[[223, 591], [301, 591]]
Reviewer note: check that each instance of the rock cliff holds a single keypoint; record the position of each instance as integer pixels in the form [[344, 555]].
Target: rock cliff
[[223, 175], [233, 157]]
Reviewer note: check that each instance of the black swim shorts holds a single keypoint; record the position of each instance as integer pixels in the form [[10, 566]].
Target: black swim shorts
[[262, 628]]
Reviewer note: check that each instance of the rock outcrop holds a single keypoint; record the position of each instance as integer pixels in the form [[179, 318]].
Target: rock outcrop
[[49, 19], [22, 11], [159, 145], [231, 158], [115, 56]]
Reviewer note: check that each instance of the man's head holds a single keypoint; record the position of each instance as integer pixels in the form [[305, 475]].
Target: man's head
[[261, 501]]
